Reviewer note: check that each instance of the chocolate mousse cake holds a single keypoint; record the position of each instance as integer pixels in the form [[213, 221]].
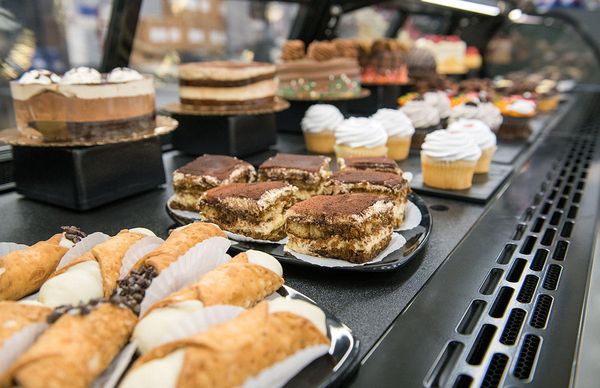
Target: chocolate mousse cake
[[204, 173], [253, 210], [307, 172], [84, 105], [351, 227], [228, 85], [380, 164], [391, 185]]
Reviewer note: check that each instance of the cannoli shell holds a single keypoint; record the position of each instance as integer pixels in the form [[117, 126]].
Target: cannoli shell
[[178, 243], [27, 269], [19, 315], [237, 282], [75, 350], [109, 255], [227, 354]]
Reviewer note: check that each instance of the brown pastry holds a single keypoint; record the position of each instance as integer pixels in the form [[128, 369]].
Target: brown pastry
[[20, 315], [292, 50], [322, 51], [380, 164], [346, 48]]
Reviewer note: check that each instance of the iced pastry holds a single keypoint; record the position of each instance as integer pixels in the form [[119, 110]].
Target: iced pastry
[[479, 110], [490, 115], [516, 114], [448, 160], [318, 125], [421, 64], [483, 136], [440, 101], [244, 281], [424, 117], [360, 136], [228, 354], [399, 129]]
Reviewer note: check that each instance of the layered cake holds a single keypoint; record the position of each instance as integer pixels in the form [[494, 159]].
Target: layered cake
[[204, 173], [391, 185], [307, 172], [351, 227], [254, 210], [380, 164], [383, 62], [321, 73], [84, 104], [225, 84], [449, 52]]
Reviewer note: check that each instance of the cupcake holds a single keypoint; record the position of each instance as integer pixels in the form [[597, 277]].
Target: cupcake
[[424, 117], [441, 103], [490, 115], [448, 160], [360, 136], [483, 136], [516, 116], [399, 131], [477, 110], [318, 126]]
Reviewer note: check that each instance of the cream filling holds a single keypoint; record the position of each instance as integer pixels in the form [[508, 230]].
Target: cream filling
[[65, 242], [187, 200], [80, 283], [141, 87], [223, 73], [264, 260], [367, 243], [260, 89], [159, 373], [304, 309], [143, 232]]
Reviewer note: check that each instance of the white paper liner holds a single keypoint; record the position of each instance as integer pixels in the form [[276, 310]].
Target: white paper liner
[[188, 268], [18, 343], [280, 373], [412, 217], [138, 250], [240, 238], [110, 377], [408, 176], [82, 247], [396, 243], [8, 247]]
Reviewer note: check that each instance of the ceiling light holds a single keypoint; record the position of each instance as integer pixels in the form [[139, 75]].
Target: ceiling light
[[465, 5]]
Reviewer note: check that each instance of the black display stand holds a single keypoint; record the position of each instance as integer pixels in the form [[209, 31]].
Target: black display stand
[[382, 96], [82, 178], [289, 119]]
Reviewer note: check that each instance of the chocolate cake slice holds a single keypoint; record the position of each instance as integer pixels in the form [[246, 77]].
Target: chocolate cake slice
[[393, 186], [351, 227], [307, 172], [204, 173], [369, 163], [251, 209]]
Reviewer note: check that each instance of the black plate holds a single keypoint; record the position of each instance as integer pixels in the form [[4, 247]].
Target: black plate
[[416, 238]]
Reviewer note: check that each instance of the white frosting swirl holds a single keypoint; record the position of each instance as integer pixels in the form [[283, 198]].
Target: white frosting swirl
[[361, 132], [450, 146], [395, 122], [41, 77], [440, 101], [82, 75], [465, 111], [481, 134], [490, 115], [421, 113], [321, 117], [123, 74], [521, 106]]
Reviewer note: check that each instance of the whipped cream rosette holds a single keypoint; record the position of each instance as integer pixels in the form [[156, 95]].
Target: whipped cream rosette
[[482, 135], [424, 117], [318, 126], [360, 136], [399, 129]]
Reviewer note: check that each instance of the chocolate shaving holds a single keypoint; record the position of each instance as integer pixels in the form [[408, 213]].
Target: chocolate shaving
[[133, 288], [81, 309]]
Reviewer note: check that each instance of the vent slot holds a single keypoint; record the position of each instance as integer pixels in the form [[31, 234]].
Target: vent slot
[[567, 229], [513, 327], [495, 372], [527, 357], [566, 190], [540, 314], [548, 237], [463, 381], [528, 214], [552, 276], [537, 226], [491, 281], [516, 270], [560, 252], [527, 289], [501, 302], [519, 231], [546, 208], [528, 245], [581, 185], [577, 197], [481, 344], [573, 211], [555, 218], [553, 194], [469, 321], [441, 370], [506, 254], [561, 203], [539, 259]]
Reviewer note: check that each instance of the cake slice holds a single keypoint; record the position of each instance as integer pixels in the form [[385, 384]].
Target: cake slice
[[204, 173], [369, 163], [351, 227], [393, 186], [250, 209], [307, 172]]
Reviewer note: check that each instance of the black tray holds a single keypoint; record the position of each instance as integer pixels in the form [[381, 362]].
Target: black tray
[[416, 239]]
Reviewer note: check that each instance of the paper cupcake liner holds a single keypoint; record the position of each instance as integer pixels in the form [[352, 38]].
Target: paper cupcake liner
[[8, 247], [280, 373], [447, 175], [398, 147], [111, 376], [412, 217], [18, 343], [483, 164], [320, 142], [188, 268], [344, 151], [138, 250], [240, 238], [396, 243], [82, 247]]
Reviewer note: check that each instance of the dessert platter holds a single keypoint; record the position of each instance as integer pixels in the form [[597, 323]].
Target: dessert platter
[[160, 313]]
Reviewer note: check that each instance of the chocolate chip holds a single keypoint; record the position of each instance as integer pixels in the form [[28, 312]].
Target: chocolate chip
[[54, 316], [73, 233]]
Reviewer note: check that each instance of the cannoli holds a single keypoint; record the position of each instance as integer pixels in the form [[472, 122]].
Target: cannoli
[[244, 281], [15, 316], [92, 275], [75, 350], [228, 354]]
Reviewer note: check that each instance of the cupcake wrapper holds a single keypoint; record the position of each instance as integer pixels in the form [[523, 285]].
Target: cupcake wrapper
[[398, 147], [344, 151], [320, 142], [483, 164], [412, 217], [240, 238], [82, 247], [137, 251], [18, 343], [447, 175], [8, 247], [111, 376]]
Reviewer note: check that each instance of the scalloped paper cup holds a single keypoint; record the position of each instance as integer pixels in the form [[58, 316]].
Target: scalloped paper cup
[[398, 147], [345, 151], [18, 343], [138, 250], [483, 164], [82, 247], [111, 376], [320, 142], [447, 174], [8, 247]]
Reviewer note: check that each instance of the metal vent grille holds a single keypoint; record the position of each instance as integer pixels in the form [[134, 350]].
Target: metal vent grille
[[6, 174], [527, 356]]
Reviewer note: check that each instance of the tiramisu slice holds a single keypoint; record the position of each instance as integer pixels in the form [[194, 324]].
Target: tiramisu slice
[[307, 172], [393, 186], [253, 210], [351, 227], [366, 163], [204, 173]]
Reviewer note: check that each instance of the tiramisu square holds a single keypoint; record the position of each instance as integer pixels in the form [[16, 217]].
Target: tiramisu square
[[351, 227], [204, 173], [369, 163], [393, 186], [306, 172], [253, 210]]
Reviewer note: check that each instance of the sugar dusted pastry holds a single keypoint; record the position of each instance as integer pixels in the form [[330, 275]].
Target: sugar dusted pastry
[[380, 164]]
